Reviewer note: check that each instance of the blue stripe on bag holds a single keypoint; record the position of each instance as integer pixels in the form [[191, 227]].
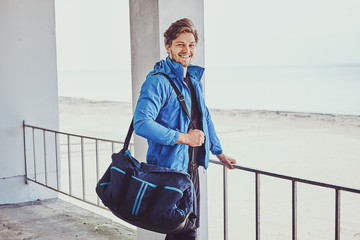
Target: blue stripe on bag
[[105, 183], [150, 184], [141, 198], [137, 198], [128, 153], [180, 211], [174, 189], [118, 169]]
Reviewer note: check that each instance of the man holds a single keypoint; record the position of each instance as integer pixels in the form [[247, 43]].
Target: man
[[173, 141]]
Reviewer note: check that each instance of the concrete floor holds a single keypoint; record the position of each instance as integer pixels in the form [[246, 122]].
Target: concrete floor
[[56, 219]]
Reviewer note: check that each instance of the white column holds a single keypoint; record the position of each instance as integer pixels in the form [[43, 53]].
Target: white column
[[145, 52], [28, 90], [149, 20]]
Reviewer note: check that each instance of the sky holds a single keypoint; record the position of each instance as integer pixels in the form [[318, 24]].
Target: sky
[[94, 34], [93, 40], [282, 32]]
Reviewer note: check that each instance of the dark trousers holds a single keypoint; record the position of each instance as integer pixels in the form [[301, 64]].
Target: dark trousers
[[190, 235]]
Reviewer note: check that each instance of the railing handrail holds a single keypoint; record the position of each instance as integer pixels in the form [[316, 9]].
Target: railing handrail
[[72, 134], [276, 175]]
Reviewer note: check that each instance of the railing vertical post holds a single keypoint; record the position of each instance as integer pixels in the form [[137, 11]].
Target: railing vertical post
[[225, 187], [33, 135], [57, 162], [337, 214], [294, 210], [24, 135], [112, 148], [83, 167], [97, 165], [45, 166], [257, 208], [69, 163]]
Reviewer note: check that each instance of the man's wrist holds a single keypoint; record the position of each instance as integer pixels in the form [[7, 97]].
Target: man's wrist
[[181, 139], [220, 156]]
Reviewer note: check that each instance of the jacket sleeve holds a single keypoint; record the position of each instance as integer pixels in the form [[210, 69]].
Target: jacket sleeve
[[152, 98], [215, 146]]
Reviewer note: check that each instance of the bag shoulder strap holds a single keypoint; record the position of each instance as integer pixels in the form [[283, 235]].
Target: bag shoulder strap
[[180, 97]]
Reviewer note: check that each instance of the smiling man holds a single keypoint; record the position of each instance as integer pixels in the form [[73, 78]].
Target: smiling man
[[173, 141]]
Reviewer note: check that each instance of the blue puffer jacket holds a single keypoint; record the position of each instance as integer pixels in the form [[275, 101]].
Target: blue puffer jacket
[[159, 118]]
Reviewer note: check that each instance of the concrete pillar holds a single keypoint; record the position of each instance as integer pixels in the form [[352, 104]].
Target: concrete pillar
[[148, 21], [28, 89]]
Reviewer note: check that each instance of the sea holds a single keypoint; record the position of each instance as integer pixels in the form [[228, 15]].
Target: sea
[[327, 89]]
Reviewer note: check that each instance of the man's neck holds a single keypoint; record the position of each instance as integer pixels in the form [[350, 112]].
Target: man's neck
[[185, 71]]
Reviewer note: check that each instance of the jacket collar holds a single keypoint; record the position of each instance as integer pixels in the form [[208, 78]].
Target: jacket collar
[[176, 70]]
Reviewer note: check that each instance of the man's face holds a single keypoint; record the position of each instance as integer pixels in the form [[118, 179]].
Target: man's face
[[182, 49]]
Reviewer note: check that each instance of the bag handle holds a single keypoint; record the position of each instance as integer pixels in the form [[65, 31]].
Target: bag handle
[[128, 137]]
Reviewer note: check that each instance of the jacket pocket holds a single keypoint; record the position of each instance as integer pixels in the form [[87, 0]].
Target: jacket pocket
[[154, 153]]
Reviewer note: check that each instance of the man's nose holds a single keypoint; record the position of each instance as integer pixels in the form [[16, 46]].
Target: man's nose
[[186, 49]]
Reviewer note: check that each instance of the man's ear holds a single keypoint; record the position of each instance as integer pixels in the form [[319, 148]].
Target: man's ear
[[167, 47]]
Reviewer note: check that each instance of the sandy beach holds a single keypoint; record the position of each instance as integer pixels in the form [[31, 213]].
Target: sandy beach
[[318, 147]]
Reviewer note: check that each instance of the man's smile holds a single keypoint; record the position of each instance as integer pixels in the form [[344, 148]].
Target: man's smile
[[185, 56]]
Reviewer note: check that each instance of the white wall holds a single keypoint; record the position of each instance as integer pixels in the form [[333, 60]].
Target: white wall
[[28, 89], [148, 22]]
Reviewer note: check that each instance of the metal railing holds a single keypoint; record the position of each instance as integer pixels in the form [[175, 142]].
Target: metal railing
[[257, 173], [37, 140]]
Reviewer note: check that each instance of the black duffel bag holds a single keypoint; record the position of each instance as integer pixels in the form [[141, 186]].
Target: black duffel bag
[[151, 197]]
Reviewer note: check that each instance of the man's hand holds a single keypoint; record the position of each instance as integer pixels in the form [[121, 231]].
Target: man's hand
[[194, 138], [227, 161]]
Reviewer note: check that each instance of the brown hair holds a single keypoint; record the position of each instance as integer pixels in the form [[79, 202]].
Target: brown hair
[[180, 26]]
